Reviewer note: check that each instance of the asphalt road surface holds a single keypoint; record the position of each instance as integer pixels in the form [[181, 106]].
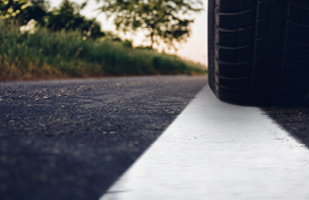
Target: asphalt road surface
[[215, 150], [294, 119], [72, 139]]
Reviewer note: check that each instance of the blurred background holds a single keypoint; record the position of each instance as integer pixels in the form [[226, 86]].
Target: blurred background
[[194, 49], [86, 38]]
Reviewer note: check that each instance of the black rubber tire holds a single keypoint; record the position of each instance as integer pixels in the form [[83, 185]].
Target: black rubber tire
[[258, 50]]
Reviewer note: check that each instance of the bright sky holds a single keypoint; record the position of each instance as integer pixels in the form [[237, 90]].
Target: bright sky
[[194, 49]]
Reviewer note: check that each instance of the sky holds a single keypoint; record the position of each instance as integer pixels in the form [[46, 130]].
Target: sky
[[194, 49]]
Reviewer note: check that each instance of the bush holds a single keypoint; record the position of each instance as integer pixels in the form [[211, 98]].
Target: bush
[[45, 54]]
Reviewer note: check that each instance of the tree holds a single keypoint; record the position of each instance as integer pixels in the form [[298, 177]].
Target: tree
[[22, 11], [165, 20], [68, 17]]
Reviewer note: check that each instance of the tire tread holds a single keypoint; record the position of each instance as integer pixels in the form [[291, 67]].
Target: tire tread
[[261, 49]]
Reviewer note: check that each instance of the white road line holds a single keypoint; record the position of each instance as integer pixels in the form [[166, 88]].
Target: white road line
[[215, 150]]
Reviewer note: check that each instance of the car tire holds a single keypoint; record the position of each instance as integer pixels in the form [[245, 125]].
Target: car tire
[[258, 50]]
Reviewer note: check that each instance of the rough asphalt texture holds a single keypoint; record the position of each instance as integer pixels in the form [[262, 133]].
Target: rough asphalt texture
[[294, 119], [70, 140]]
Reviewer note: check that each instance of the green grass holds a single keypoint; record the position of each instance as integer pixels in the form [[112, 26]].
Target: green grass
[[45, 55]]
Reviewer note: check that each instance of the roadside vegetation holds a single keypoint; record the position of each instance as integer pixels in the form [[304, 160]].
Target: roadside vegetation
[[54, 50]]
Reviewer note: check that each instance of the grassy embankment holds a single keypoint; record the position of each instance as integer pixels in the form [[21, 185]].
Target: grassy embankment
[[45, 55]]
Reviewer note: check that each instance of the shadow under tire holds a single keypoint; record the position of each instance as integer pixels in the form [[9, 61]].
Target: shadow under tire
[[258, 50]]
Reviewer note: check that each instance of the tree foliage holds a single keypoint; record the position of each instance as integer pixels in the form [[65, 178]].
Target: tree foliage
[[165, 20], [68, 17], [22, 11]]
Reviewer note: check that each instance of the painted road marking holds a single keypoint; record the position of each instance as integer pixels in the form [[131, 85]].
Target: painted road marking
[[215, 150]]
